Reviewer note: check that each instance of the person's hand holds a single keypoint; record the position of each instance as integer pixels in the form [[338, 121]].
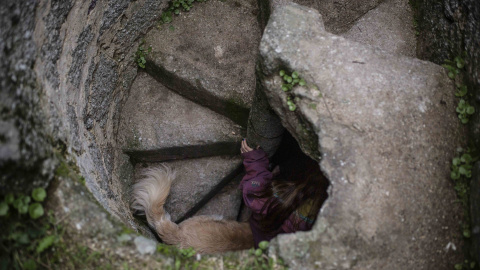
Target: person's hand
[[245, 148]]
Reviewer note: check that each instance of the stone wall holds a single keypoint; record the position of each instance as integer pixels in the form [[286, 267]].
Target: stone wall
[[84, 65], [26, 158], [448, 29]]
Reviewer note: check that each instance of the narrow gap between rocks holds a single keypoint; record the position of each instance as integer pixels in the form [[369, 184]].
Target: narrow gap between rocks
[[295, 165]]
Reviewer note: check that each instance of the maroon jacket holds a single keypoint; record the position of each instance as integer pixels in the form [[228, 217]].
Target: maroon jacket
[[256, 180]]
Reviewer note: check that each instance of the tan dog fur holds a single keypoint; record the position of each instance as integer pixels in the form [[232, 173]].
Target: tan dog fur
[[205, 234]]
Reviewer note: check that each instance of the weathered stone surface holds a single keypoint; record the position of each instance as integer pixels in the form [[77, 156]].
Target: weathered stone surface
[[195, 179], [226, 203], [111, 14], [208, 55], [338, 15], [449, 29], [387, 130], [264, 127], [145, 245], [155, 118], [389, 27], [26, 158], [52, 49], [101, 95]]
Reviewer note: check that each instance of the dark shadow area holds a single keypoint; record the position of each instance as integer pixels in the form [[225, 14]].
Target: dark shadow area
[[294, 164], [290, 164]]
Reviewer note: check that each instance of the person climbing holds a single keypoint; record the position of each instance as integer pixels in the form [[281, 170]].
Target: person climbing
[[285, 200]]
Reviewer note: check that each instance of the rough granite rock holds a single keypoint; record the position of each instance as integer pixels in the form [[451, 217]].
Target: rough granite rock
[[26, 158], [264, 126], [208, 55], [449, 29], [387, 130], [389, 27], [195, 178], [155, 120], [338, 15]]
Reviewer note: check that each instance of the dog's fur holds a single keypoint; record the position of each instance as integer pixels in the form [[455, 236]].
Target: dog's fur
[[206, 234]]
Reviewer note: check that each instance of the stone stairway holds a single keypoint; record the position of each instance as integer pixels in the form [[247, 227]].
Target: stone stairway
[[189, 107]]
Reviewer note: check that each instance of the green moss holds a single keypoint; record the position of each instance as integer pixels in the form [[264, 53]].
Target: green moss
[[62, 169]]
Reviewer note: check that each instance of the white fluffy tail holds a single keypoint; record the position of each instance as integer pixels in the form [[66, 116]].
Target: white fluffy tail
[[206, 234], [149, 196]]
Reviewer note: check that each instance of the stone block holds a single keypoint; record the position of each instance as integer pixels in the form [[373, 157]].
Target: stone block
[[386, 129]]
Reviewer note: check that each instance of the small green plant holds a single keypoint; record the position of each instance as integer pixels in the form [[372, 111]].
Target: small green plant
[[454, 66], [22, 233], [461, 91], [289, 81], [260, 259], [142, 53], [461, 172], [466, 265], [464, 110], [183, 258], [175, 8]]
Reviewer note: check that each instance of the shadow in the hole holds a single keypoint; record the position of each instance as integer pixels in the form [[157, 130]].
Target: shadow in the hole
[[294, 165]]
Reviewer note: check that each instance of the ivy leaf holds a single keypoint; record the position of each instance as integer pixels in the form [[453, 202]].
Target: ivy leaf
[[26, 200], [282, 73], [455, 175], [45, 243], [263, 245], [462, 170], [17, 203], [295, 75], [456, 161], [292, 107], [35, 210], [466, 158], [462, 91], [39, 194], [302, 82], [470, 110], [23, 209], [3, 209]]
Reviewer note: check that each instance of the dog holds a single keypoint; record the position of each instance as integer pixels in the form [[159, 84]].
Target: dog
[[205, 234]]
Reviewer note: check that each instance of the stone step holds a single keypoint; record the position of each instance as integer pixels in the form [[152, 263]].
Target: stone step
[[208, 55], [197, 181], [158, 124], [229, 196], [388, 27]]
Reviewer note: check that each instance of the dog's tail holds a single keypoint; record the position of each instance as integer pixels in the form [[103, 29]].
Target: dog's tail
[[206, 234], [149, 195]]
